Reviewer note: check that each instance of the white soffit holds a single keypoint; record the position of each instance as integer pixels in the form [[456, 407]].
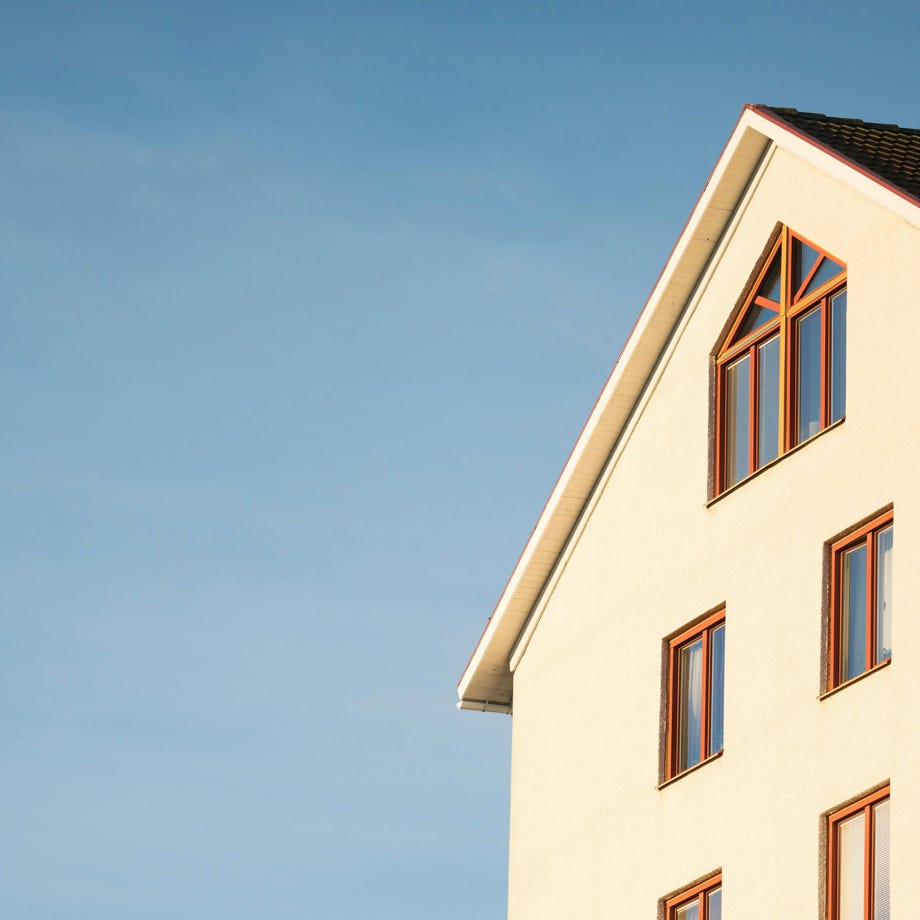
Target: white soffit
[[486, 683]]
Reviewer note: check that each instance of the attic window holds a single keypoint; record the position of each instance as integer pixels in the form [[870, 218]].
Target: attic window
[[782, 365]]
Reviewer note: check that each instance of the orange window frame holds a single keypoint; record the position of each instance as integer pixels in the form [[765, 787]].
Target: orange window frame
[[698, 893], [834, 820], [867, 534], [793, 305], [702, 630]]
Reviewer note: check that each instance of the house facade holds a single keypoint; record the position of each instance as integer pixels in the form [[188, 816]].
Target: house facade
[[696, 645]]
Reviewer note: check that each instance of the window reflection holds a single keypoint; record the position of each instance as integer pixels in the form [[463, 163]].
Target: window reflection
[[885, 566], [691, 698], [737, 414], [853, 633], [768, 402], [809, 375]]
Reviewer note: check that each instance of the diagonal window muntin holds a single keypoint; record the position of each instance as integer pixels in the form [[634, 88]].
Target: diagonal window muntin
[[781, 368]]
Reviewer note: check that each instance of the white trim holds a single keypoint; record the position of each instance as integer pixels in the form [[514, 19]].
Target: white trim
[[523, 640]]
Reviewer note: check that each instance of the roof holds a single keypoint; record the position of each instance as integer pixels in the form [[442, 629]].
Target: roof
[[881, 161], [889, 151]]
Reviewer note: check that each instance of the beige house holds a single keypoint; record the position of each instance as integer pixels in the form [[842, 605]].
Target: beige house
[[696, 642]]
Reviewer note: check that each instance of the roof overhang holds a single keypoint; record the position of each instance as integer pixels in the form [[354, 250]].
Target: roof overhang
[[486, 683]]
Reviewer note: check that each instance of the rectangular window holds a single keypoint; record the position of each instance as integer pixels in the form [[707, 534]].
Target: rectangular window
[[857, 859], [699, 902], [696, 694], [862, 566]]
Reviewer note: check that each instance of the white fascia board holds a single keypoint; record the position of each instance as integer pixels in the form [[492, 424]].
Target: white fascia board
[[487, 676]]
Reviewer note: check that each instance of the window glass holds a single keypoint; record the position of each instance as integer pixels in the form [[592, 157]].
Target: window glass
[[768, 402], [881, 882], [737, 416], [839, 356], [803, 260], [715, 905], [884, 562], [809, 375], [690, 702], [851, 867], [717, 695], [690, 912], [770, 286], [853, 610], [757, 317], [826, 270]]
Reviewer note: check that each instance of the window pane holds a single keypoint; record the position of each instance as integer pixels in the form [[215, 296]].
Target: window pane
[[851, 867], [809, 375], [715, 905], [768, 395], [757, 316], [690, 699], [881, 894], [770, 286], [737, 420], [690, 912], [803, 260], [885, 563], [839, 356], [717, 699], [826, 270], [853, 613]]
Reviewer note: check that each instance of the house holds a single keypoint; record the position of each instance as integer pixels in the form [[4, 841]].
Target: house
[[708, 717]]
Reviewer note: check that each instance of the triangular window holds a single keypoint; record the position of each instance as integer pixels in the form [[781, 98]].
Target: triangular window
[[781, 367], [811, 269]]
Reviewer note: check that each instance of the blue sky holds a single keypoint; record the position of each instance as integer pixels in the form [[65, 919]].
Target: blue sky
[[303, 306]]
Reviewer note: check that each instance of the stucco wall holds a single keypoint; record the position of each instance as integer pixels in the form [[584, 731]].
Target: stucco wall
[[591, 835]]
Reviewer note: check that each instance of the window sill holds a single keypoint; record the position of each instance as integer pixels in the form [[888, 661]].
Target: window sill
[[774, 462], [689, 770], [854, 680]]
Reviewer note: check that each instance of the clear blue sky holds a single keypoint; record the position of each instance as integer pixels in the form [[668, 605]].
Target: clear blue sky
[[303, 306]]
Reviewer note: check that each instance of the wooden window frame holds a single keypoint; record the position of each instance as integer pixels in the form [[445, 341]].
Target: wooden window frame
[[702, 629], [793, 305], [698, 892], [866, 533], [866, 805]]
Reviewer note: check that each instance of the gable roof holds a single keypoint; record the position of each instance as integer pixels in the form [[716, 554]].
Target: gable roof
[[888, 151], [881, 161]]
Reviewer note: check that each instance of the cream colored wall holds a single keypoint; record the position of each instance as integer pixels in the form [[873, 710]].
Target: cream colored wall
[[591, 836]]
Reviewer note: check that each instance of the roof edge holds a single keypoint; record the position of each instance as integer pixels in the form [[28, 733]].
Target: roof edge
[[486, 685]]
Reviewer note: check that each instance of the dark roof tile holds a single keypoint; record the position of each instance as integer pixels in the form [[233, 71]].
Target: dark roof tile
[[890, 152]]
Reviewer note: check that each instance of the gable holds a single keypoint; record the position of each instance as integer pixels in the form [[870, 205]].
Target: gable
[[486, 683]]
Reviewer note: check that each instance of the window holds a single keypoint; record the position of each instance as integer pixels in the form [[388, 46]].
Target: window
[[696, 694], [781, 371], [699, 902], [862, 566], [857, 859]]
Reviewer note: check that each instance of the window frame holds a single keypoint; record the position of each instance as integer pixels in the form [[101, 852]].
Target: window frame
[[793, 306], [866, 534], [698, 892], [701, 629], [835, 819]]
